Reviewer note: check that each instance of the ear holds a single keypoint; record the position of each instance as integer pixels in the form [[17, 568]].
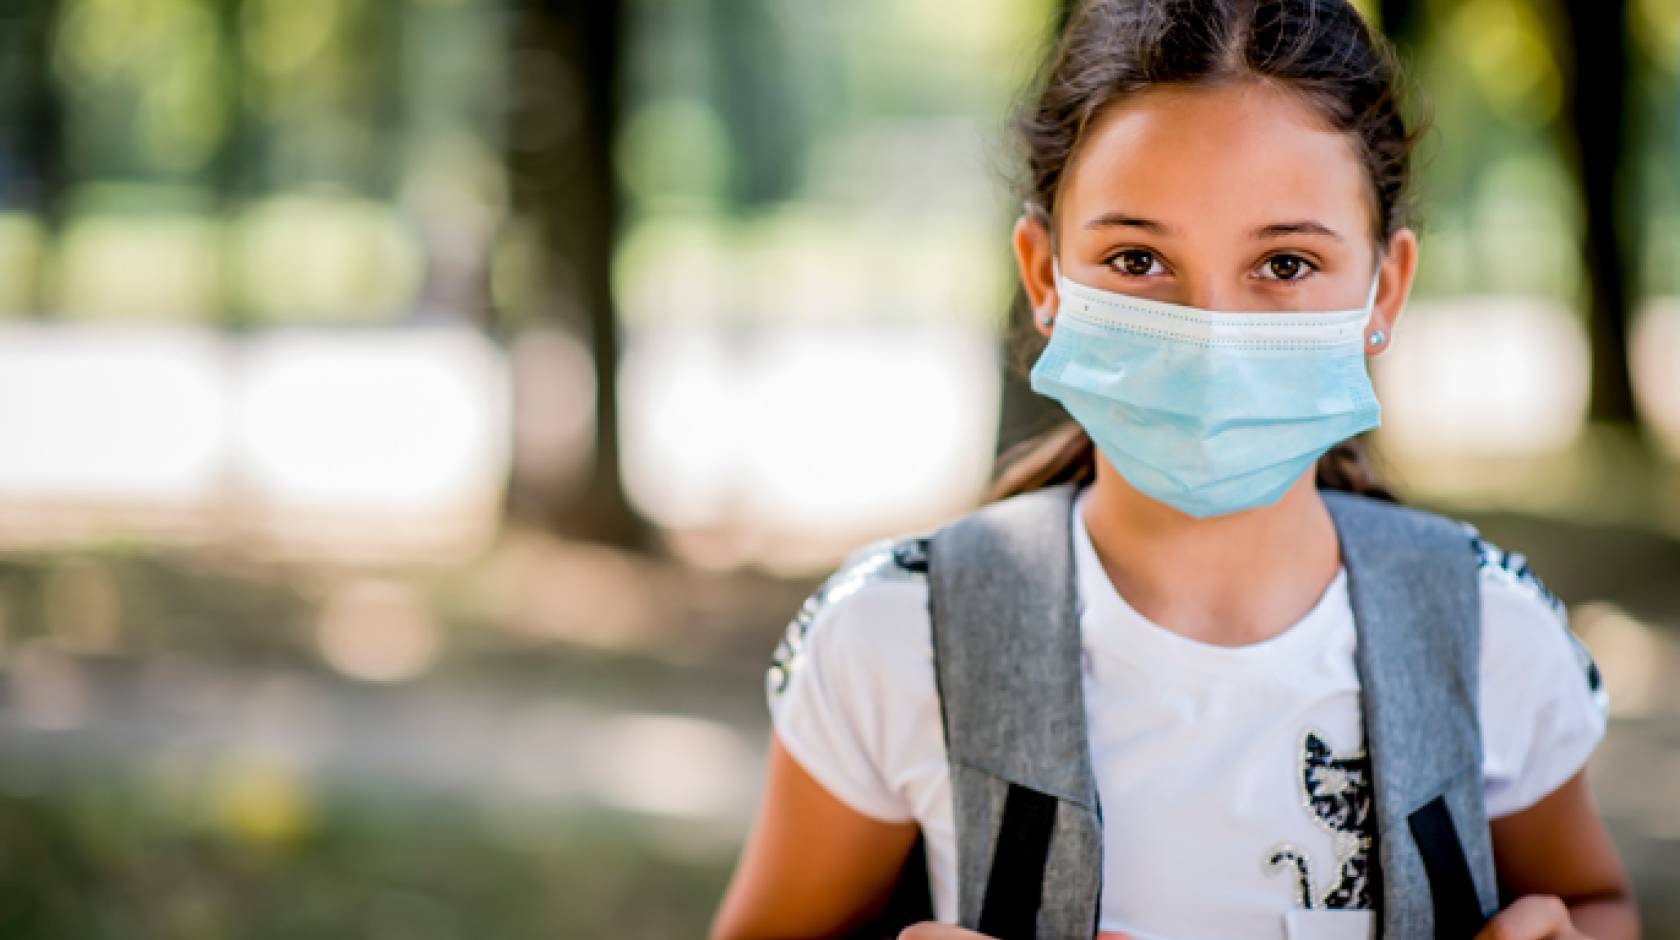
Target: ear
[[1397, 268], [1032, 257]]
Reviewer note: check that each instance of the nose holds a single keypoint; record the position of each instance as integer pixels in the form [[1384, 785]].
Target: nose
[[1212, 295]]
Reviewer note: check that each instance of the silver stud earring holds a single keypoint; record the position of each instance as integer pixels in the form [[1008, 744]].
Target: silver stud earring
[[1377, 337], [1046, 319]]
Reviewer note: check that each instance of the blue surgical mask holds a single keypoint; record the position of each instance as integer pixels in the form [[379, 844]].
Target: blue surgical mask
[[1208, 411]]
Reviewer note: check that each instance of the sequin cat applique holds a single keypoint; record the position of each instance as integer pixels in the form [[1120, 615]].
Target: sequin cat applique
[[1336, 790]]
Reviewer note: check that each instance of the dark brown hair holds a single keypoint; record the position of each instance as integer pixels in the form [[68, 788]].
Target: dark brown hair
[[1110, 49]]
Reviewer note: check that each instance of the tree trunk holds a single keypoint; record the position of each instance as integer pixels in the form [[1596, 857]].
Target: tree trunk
[[566, 89], [1400, 23], [31, 125], [1597, 74]]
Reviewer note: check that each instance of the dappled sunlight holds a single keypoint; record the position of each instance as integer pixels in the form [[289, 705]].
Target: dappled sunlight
[[378, 630], [311, 257], [405, 421], [676, 764], [1654, 354], [159, 267], [1485, 406], [553, 416], [540, 588], [347, 445], [793, 441], [112, 415], [1482, 377], [1641, 666]]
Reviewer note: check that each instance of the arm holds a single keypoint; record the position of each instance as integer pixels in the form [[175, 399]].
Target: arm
[[812, 866], [1556, 859]]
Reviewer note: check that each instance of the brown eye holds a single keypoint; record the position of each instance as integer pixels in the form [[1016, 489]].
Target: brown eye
[[1136, 262], [1286, 267]]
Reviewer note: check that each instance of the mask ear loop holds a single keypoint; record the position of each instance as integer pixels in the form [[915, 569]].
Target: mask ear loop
[[1377, 337], [1056, 277]]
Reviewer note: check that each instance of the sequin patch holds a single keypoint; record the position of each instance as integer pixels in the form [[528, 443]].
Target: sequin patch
[[1513, 566], [901, 559], [1336, 792]]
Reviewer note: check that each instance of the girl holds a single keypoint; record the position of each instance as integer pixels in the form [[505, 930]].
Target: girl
[[1214, 237]]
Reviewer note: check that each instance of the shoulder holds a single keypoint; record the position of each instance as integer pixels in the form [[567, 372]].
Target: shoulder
[[1543, 706], [1509, 573], [850, 686], [873, 604], [1525, 626], [1525, 630]]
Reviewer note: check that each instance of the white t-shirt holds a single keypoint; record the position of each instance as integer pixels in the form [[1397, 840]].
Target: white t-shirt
[[1204, 755]]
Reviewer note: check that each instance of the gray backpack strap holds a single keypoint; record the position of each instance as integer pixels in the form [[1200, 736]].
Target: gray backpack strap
[[1002, 596], [1007, 656], [1412, 581]]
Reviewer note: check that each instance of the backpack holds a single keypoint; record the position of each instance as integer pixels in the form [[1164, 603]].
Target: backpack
[[1006, 640]]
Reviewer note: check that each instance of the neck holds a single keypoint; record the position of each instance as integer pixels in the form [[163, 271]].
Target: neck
[[1229, 580]]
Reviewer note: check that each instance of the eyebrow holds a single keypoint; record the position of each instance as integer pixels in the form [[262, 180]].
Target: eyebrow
[[1274, 230], [1305, 227], [1122, 220]]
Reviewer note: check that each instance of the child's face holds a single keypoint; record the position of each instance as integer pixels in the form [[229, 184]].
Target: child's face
[[1232, 197]]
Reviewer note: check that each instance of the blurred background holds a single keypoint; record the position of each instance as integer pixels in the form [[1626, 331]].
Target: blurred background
[[420, 418]]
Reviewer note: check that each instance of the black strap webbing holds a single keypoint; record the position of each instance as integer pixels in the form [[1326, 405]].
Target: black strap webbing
[[1015, 885], [1458, 915]]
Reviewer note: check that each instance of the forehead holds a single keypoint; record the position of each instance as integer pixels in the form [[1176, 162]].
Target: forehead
[[1227, 156]]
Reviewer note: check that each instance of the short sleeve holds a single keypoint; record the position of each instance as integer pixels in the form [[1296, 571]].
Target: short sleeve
[[1543, 705], [828, 688]]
